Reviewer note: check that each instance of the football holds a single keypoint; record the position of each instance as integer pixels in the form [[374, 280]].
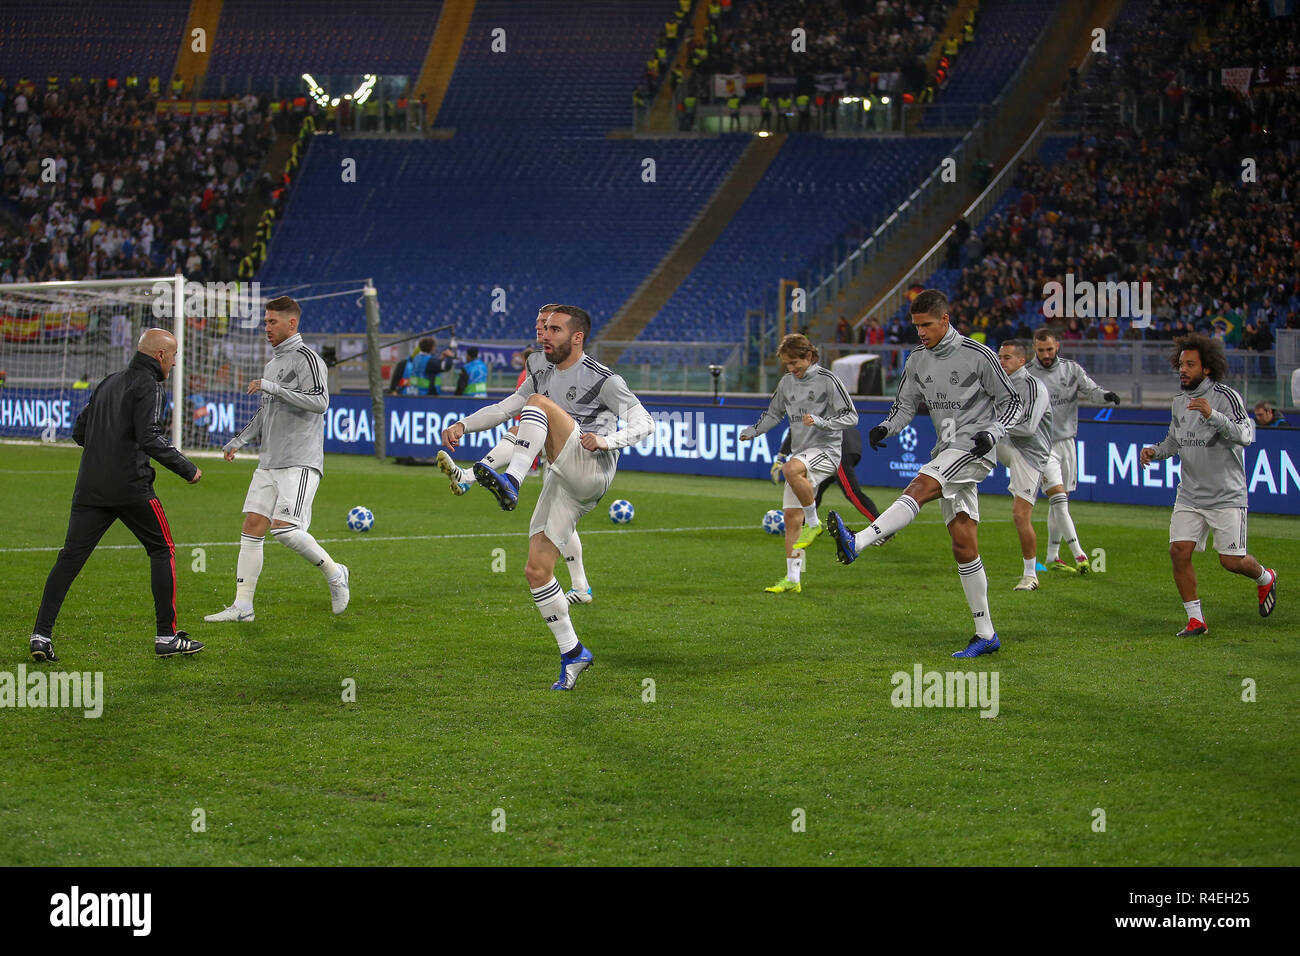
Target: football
[[621, 512], [360, 519], [774, 522]]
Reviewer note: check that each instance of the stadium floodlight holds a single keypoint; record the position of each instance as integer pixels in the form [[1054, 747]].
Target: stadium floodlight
[[884, 101], [366, 88], [322, 98]]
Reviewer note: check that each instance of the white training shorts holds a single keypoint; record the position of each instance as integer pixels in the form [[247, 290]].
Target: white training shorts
[[1024, 476], [819, 465], [1062, 466], [1195, 524], [283, 494], [959, 474], [572, 486]]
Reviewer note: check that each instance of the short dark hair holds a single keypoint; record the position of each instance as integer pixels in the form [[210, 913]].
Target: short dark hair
[[1213, 358], [930, 302], [428, 344], [1263, 403], [471, 354], [1019, 345], [1043, 333], [579, 320], [284, 304]]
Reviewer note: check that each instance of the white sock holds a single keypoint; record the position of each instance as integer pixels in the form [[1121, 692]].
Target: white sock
[[572, 552], [554, 609], [892, 520], [303, 543], [1193, 609], [1031, 566], [531, 439], [793, 568], [976, 585], [1059, 508], [500, 454], [247, 570], [802, 564], [1265, 575], [810, 515]]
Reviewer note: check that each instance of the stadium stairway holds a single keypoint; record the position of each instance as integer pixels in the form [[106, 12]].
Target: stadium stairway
[[444, 52], [205, 15], [651, 296], [661, 116], [1023, 107]]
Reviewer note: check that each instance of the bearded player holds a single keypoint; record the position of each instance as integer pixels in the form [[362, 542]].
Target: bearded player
[[1209, 431], [571, 408], [462, 479]]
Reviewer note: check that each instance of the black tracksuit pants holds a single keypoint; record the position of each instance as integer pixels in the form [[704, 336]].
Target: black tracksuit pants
[[86, 526], [846, 476]]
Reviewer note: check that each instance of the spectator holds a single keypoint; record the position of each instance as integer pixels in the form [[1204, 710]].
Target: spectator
[[1266, 416]]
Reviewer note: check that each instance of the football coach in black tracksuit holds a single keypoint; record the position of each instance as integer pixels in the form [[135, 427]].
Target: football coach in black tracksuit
[[121, 429]]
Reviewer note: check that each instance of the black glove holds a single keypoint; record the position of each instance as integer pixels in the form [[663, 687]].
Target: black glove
[[876, 437], [983, 443], [1111, 397]]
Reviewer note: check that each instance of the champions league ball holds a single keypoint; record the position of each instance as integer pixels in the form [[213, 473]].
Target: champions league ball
[[774, 522], [621, 512], [360, 519]]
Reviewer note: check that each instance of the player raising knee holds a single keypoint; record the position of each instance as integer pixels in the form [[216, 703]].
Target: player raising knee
[[1026, 451], [846, 475], [820, 409], [1209, 431], [972, 404], [462, 479], [571, 393]]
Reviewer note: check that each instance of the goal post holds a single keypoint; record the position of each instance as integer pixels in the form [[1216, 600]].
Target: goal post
[[58, 340]]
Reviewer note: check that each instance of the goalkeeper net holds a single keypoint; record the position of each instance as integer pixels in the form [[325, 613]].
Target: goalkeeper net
[[58, 340]]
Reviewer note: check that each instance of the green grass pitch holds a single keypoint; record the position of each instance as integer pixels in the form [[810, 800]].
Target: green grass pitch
[[456, 752]]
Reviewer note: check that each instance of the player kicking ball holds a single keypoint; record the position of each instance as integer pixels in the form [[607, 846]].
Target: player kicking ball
[[972, 404], [1209, 431], [294, 394], [820, 409], [571, 389], [462, 479], [1027, 452]]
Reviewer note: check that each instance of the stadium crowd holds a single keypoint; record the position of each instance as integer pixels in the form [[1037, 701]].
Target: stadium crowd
[[99, 185], [1160, 203], [854, 38]]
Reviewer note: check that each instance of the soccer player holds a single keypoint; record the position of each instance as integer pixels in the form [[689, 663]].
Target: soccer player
[[1026, 451], [846, 474], [1066, 382], [294, 395], [1209, 430], [820, 409], [972, 404], [555, 404], [121, 429], [462, 479]]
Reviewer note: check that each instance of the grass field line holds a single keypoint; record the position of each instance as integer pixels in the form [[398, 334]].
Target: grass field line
[[449, 537]]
